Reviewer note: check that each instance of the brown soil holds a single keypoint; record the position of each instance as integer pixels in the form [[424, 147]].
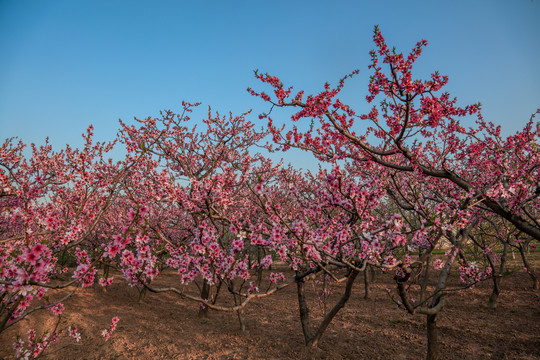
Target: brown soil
[[163, 326]]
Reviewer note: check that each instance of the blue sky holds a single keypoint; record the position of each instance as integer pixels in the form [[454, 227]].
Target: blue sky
[[67, 64]]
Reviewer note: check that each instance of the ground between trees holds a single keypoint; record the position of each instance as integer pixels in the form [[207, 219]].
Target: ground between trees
[[166, 327]]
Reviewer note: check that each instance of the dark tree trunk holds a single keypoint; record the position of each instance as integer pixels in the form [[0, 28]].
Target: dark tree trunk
[[339, 305], [424, 283], [311, 339], [304, 312], [325, 295], [237, 301], [432, 335], [366, 282], [142, 294], [494, 293], [106, 269], [215, 296], [240, 313], [7, 312], [530, 271], [205, 293], [259, 269], [497, 277]]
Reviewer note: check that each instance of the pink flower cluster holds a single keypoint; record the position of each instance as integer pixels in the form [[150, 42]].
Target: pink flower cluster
[[108, 332]]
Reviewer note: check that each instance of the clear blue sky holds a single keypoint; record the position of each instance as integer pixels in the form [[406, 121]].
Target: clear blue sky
[[67, 64]]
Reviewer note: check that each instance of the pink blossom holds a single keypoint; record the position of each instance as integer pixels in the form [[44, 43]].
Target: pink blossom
[[57, 309]]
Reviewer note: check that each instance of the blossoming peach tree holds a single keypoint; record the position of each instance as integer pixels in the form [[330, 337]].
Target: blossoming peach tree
[[50, 205], [197, 187]]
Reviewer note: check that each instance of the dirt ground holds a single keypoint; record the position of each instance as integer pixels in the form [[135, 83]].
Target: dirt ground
[[164, 326]]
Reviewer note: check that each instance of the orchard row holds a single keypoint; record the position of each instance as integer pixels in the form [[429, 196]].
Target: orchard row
[[398, 183]]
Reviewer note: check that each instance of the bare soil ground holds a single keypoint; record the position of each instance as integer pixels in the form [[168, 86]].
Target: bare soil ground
[[164, 326]]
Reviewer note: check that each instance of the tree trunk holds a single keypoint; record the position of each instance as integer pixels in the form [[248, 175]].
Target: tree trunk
[[339, 305], [536, 281], [432, 335], [215, 296], [142, 293], [531, 272], [304, 312], [205, 292], [325, 294], [372, 273], [7, 312], [106, 269], [259, 269], [494, 294], [311, 339], [240, 313], [497, 277], [366, 283], [237, 301], [424, 283]]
